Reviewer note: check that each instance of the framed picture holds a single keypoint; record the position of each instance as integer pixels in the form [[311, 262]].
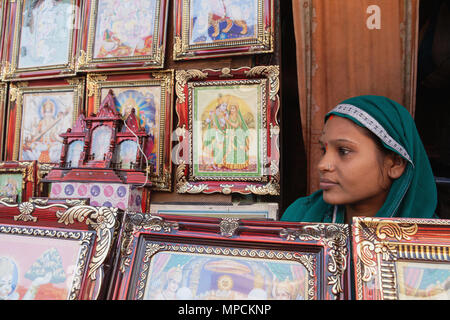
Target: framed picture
[[401, 259], [123, 35], [3, 102], [151, 95], [17, 180], [266, 210], [43, 39], [227, 131], [38, 112], [222, 28], [199, 258], [55, 251]]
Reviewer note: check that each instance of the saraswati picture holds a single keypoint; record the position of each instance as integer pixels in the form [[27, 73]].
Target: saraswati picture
[[44, 117]]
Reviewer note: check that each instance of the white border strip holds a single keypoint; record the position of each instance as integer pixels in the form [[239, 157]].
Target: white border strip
[[373, 125]]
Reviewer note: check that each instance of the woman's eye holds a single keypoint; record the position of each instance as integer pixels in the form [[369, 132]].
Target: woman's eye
[[344, 151]]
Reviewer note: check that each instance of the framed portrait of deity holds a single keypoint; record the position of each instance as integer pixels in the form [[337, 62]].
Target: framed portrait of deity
[[219, 28], [42, 39], [17, 180], [170, 257], [401, 258], [38, 112], [150, 94], [227, 131], [123, 34], [54, 251]]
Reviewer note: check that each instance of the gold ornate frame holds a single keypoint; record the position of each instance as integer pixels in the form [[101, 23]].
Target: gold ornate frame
[[10, 68], [323, 249], [267, 183], [261, 43], [86, 61], [161, 178], [380, 244], [15, 107]]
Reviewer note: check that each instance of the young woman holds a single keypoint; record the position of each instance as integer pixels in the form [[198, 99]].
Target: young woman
[[373, 164]]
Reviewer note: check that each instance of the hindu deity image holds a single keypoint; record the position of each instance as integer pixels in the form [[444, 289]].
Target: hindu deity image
[[46, 278], [229, 138], [11, 186], [124, 28], [43, 120], [217, 20], [45, 35], [424, 281], [146, 103], [175, 276]]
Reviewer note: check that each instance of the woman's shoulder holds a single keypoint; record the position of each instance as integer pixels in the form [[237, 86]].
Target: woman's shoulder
[[307, 208]]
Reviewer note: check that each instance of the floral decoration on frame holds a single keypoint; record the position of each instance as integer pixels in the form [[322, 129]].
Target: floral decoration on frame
[[151, 95], [60, 257], [123, 34], [208, 258], [38, 112], [44, 39], [227, 131], [222, 28], [401, 259]]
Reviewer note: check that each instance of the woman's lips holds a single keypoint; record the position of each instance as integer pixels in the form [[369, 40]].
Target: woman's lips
[[326, 184]]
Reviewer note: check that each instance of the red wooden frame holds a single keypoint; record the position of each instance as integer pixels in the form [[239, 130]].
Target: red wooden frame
[[16, 105], [262, 42], [381, 244], [264, 183], [11, 71], [86, 61], [93, 228], [323, 249]]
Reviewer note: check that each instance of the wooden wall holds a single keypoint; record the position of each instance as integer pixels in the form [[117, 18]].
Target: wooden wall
[[349, 48]]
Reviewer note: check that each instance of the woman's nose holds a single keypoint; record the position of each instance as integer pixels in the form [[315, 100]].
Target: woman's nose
[[325, 163]]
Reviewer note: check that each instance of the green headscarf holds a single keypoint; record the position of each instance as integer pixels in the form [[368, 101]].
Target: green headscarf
[[412, 195]]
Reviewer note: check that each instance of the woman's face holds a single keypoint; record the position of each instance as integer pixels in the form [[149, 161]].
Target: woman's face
[[351, 172]]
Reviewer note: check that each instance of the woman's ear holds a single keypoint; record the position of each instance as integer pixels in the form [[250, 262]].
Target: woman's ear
[[396, 167]]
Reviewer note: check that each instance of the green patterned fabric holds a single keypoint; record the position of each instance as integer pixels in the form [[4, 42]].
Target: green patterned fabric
[[413, 195]]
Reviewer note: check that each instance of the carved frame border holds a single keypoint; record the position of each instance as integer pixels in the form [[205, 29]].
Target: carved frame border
[[378, 244], [268, 183]]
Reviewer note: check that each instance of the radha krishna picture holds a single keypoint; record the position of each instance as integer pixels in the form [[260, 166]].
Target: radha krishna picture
[[226, 131]]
